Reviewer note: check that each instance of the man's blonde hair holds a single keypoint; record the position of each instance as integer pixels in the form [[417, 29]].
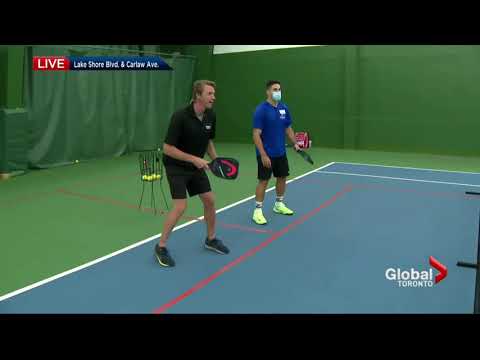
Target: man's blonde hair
[[198, 87]]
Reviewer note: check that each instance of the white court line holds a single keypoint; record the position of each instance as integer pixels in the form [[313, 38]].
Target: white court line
[[409, 168], [130, 247], [395, 178]]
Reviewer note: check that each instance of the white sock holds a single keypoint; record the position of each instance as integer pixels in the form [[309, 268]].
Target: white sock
[[258, 205], [279, 199]]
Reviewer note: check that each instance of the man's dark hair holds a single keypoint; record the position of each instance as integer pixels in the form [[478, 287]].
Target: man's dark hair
[[272, 82]]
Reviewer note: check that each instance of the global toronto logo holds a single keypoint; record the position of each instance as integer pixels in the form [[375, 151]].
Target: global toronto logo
[[415, 278]]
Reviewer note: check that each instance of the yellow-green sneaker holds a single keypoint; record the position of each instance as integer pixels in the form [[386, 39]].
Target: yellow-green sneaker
[[280, 208], [258, 217]]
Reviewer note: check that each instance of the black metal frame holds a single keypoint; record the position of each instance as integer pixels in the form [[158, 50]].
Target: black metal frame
[[476, 266], [150, 164]]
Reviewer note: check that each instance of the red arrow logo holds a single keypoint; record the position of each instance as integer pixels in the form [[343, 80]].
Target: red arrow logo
[[440, 267], [233, 168]]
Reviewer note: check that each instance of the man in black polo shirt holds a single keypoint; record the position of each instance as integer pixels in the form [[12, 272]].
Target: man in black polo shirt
[[189, 137]]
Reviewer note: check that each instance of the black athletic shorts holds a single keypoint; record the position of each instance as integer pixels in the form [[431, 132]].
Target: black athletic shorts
[[279, 168], [181, 180]]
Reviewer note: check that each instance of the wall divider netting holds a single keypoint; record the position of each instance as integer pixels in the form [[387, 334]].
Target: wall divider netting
[[93, 114]]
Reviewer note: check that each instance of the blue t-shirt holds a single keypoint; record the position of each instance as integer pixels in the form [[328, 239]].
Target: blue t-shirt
[[273, 121]]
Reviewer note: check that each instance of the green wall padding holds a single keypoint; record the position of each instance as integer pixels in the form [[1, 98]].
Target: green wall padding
[[13, 140], [204, 56], [3, 75], [312, 82], [14, 78], [3, 144], [419, 98]]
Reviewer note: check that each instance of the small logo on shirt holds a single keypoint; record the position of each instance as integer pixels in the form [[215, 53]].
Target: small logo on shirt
[[208, 127], [282, 113]]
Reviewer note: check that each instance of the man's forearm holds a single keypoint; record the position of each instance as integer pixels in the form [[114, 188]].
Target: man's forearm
[[259, 144], [175, 153], [212, 152], [291, 135]]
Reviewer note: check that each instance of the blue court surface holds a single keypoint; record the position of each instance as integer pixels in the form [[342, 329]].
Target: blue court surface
[[355, 227]]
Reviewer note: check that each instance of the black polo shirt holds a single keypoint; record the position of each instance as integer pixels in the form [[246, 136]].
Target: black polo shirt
[[188, 134]]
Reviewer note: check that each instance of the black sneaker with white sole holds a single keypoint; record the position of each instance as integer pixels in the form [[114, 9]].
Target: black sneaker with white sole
[[163, 256], [216, 245]]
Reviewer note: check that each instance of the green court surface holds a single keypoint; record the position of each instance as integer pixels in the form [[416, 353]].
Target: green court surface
[[59, 218]]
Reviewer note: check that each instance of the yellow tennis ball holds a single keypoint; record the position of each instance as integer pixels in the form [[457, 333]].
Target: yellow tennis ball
[[144, 177], [159, 176]]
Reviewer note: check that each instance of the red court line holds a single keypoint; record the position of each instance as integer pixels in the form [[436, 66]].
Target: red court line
[[127, 205], [26, 198], [244, 228], [101, 199], [233, 226], [93, 180], [251, 252]]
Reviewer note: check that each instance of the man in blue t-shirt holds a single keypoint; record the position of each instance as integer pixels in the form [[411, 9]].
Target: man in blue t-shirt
[[271, 122]]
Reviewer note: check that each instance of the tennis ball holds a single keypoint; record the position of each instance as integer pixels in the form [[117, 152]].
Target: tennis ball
[[150, 177], [76, 161], [144, 177], [159, 176]]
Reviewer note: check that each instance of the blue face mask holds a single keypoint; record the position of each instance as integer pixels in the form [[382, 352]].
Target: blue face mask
[[277, 95]]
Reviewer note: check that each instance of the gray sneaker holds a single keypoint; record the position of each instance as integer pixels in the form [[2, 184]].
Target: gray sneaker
[[217, 246], [163, 256]]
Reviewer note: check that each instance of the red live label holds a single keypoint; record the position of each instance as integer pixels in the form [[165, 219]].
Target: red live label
[[51, 63]]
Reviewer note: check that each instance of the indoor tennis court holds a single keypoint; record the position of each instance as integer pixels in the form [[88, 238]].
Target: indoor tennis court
[[391, 191]]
